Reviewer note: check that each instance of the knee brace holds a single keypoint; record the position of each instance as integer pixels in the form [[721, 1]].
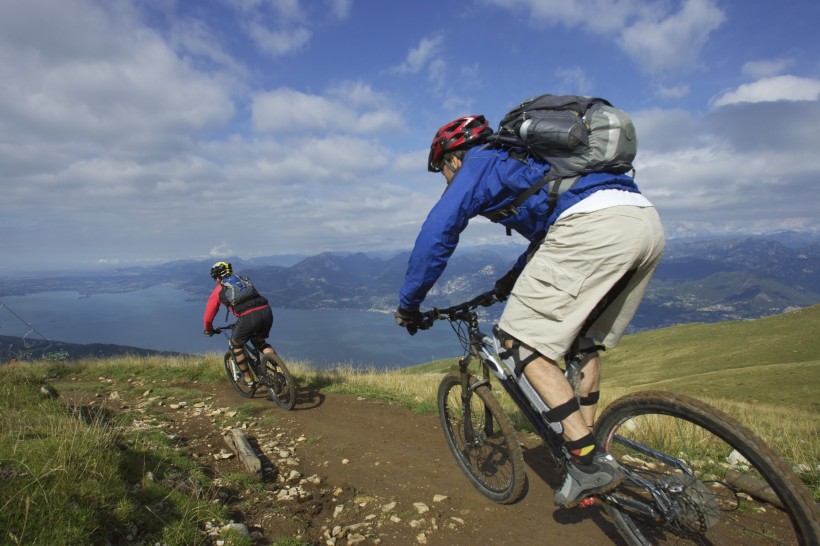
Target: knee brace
[[562, 411], [237, 351], [520, 353], [583, 349], [591, 399]]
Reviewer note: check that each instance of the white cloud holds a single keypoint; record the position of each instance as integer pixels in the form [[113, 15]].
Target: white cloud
[[595, 15], [574, 80], [351, 107], [722, 172], [420, 56], [122, 92], [277, 42], [340, 8], [766, 67], [666, 43], [673, 92], [778, 88], [658, 39], [221, 250]]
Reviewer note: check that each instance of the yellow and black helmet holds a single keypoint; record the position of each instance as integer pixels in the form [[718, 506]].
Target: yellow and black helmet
[[221, 269]]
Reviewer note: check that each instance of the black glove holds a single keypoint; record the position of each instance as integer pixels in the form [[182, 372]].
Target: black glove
[[412, 320], [209, 333], [504, 285]]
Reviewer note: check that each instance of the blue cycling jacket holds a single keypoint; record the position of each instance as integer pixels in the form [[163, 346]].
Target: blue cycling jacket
[[489, 179]]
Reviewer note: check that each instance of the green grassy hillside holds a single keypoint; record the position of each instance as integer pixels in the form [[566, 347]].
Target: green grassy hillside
[[774, 360]]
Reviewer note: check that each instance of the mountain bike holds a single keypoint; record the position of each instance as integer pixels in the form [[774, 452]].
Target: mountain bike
[[266, 369], [694, 475]]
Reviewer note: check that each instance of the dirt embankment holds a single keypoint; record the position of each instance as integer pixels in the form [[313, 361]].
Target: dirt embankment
[[342, 470]]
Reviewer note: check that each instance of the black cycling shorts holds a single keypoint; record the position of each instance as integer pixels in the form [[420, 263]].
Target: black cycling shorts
[[255, 327]]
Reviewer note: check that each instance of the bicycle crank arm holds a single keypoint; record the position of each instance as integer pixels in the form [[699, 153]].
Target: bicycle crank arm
[[631, 506]]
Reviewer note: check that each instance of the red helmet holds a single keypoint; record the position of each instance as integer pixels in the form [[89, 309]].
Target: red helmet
[[458, 134]]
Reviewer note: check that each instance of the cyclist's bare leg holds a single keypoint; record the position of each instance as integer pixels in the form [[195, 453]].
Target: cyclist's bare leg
[[553, 387], [590, 385], [264, 346], [239, 356]]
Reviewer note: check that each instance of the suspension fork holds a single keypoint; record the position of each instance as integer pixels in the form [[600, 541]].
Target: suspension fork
[[467, 389], [466, 395]]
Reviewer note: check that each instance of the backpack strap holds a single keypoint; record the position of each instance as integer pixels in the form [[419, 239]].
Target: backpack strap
[[556, 185]]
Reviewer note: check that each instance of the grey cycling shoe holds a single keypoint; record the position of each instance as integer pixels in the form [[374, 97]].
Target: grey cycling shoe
[[581, 481]]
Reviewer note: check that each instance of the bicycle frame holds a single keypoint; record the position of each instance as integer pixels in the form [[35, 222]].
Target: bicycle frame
[[251, 352], [481, 347]]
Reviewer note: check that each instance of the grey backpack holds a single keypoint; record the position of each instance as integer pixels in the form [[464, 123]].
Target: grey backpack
[[575, 134], [238, 289]]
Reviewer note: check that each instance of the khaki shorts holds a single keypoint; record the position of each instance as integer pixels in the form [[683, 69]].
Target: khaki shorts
[[583, 256]]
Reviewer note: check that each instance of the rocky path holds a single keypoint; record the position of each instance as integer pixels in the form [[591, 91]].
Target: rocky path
[[341, 470]]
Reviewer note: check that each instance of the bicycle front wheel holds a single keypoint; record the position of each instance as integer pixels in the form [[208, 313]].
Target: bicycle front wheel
[[695, 475], [279, 381], [482, 439], [236, 378]]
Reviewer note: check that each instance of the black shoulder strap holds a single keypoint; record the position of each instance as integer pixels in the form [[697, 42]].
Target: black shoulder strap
[[512, 209], [556, 185]]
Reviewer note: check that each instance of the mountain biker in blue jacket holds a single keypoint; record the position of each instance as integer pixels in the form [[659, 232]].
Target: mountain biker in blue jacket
[[600, 231]]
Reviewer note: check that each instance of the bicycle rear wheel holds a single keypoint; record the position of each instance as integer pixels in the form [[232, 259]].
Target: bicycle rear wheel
[[279, 381], [236, 378], [707, 478], [482, 439]]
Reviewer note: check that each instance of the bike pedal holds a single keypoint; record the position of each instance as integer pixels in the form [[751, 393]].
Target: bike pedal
[[587, 502]]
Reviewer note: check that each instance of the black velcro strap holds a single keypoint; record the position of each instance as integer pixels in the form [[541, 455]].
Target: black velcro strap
[[580, 443], [591, 399], [561, 412], [237, 351], [514, 352]]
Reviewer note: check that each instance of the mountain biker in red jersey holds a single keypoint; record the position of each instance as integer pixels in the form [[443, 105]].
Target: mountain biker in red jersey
[[254, 319], [602, 240]]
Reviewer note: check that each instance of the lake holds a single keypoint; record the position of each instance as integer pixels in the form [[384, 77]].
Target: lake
[[167, 319]]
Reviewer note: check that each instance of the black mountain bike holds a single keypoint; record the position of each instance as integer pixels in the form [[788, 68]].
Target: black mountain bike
[[694, 475], [267, 370]]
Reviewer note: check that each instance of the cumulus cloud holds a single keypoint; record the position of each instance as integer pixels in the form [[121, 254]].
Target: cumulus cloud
[[737, 167], [280, 41], [608, 15], [425, 53], [669, 42], [352, 107], [574, 80], [659, 39], [766, 67], [778, 88], [101, 84]]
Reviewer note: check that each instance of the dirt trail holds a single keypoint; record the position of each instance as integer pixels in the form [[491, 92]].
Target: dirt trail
[[380, 474]]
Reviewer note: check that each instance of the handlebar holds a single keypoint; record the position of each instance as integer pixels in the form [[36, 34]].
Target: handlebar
[[460, 311], [219, 329]]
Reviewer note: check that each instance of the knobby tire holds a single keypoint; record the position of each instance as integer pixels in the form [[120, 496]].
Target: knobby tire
[[238, 383], [494, 463], [716, 501], [279, 382]]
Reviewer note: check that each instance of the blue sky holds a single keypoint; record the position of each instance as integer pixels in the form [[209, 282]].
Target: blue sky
[[137, 132]]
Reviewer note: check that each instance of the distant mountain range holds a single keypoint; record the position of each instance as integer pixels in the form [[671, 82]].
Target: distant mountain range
[[17, 348], [703, 280]]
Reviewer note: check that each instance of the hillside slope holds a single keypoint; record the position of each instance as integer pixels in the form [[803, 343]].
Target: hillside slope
[[744, 361]]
